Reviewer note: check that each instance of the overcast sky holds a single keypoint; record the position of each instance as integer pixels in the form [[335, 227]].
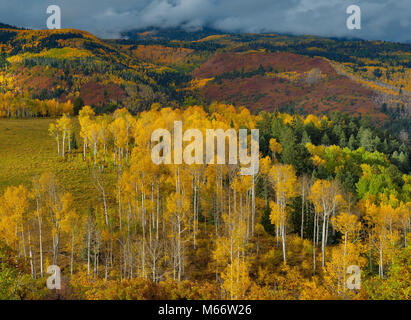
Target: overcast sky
[[381, 19]]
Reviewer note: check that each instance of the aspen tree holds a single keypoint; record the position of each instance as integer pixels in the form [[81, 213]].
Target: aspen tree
[[349, 226], [85, 118], [326, 197], [71, 224], [54, 132], [64, 125], [14, 217], [284, 182]]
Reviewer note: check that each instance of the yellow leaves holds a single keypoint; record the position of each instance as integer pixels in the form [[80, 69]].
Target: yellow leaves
[[221, 253], [199, 83], [13, 212], [389, 83], [53, 131], [64, 124], [326, 196], [242, 184], [19, 106], [15, 200], [275, 146], [86, 112], [335, 271], [275, 215], [105, 235], [69, 219], [265, 165], [312, 119], [288, 119], [366, 170], [347, 224], [315, 150], [317, 161], [284, 180], [120, 128], [236, 279]]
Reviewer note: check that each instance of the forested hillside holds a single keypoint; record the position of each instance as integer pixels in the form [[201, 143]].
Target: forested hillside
[[79, 188]]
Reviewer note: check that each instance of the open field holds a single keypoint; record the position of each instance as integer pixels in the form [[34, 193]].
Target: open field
[[27, 151]]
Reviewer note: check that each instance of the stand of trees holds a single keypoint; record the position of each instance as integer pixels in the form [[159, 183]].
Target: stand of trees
[[288, 232]]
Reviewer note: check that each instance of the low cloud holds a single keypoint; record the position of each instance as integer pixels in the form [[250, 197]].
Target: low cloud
[[381, 19]]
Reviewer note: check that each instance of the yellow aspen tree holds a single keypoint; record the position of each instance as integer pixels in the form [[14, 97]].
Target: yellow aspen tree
[[65, 126], [85, 118], [71, 224], [335, 270], [326, 197], [305, 183], [15, 203], [349, 226], [275, 148], [38, 195], [55, 132], [236, 279], [284, 181], [383, 233], [265, 166]]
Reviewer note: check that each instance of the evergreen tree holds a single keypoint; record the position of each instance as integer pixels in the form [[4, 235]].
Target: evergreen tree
[[343, 140], [73, 141], [366, 140], [287, 140], [78, 105], [266, 222], [305, 138], [325, 140], [352, 143]]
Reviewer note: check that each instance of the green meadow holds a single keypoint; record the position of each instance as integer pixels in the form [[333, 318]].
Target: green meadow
[[27, 151]]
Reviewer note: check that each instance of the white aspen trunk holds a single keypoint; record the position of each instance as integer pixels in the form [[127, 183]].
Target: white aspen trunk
[[195, 213], [119, 202], [33, 274], [105, 206], [302, 210], [64, 141], [158, 208], [143, 223], [40, 237], [323, 240], [24, 245], [72, 254], [314, 240], [253, 206], [88, 250], [381, 263], [283, 238], [95, 152], [58, 144]]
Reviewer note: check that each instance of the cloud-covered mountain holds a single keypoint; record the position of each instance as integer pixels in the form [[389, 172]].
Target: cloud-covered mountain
[[381, 19]]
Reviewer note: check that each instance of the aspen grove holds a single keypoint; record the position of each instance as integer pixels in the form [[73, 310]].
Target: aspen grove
[[281, 233]]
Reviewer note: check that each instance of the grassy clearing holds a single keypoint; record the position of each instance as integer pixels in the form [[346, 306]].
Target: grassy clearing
[[27, 151]]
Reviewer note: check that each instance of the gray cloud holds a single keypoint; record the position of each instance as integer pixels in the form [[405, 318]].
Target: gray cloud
[[381, 19]]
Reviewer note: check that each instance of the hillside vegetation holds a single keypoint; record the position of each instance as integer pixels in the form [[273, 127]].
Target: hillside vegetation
[[79, 188]]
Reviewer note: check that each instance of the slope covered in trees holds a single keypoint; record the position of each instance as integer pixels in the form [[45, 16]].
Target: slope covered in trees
[[78, 187], [317, 205], [71, 64], [175, 67]]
